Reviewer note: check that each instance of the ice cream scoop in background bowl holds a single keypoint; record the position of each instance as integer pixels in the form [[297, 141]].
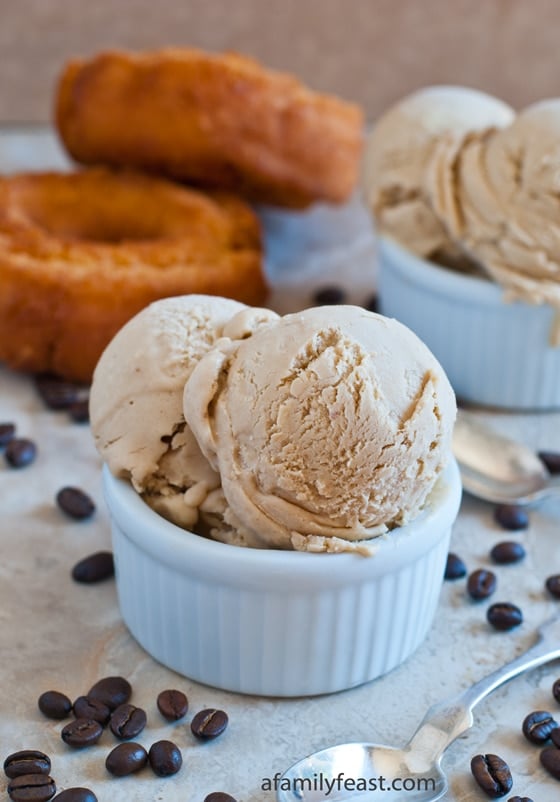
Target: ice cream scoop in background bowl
[[490, 189], [330, 430]]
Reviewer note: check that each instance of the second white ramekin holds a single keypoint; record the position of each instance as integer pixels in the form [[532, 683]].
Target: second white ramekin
[[495, 353], [278, 623]]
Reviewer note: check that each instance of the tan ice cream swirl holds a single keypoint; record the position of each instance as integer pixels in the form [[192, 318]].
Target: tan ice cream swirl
[[327, 427], [400, 151], [499, 197], [136, 404]]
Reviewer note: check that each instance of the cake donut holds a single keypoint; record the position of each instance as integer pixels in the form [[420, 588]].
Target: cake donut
[[83, 252], [214, 120]]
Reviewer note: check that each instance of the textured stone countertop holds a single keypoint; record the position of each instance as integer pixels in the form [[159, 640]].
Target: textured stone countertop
[[57, 634]]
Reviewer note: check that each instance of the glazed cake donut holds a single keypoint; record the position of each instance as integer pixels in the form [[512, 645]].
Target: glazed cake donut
[[214, 120], [81, 253]]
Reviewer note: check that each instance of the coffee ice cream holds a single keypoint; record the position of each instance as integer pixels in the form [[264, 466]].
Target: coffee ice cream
[[327, 428]]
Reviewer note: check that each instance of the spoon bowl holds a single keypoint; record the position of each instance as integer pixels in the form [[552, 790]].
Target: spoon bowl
[[365, 772], [496, 468]]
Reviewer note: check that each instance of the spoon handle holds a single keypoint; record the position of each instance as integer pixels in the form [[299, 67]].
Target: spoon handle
[[447, 720]]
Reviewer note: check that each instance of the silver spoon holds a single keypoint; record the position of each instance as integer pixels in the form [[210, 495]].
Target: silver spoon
[[498, 469], [416, 767]]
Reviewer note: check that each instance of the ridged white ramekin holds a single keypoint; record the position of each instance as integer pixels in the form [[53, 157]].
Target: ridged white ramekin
[[495, 353], [277, 623]]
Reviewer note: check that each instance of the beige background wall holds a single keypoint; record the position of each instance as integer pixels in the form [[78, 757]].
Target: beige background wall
[[371, 51]]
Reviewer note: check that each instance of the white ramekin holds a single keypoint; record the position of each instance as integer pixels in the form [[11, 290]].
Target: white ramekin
[[277, 623], [495, 353]]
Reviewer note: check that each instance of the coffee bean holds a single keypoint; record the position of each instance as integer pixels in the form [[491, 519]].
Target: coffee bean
[[95, 568], [76, 795], [553, 585], [330, 296], [79, 411], [92, 708], [455, 568], [20, 452], [7, 433], [126, 759], [209, 723], [54, 704], [372, 303], [57, 393], [538, 725], [112, 691], [127, 721], [519, 799], [481, 584], [27, 761], [511, 516], [31, 788], [556, 689], [492, 774], [75, 503], [172, 705], [504, 616], [81, 732], [219, 796], [550, 759], [555, 737], [551, 459], [507, 552], [165, 758]]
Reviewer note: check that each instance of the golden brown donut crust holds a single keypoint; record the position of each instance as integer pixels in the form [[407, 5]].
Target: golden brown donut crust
[[214, 120], [82, 253]]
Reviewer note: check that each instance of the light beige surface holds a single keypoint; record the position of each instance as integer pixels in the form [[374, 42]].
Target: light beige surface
[[327, 427], [57, 634], [371, 51]]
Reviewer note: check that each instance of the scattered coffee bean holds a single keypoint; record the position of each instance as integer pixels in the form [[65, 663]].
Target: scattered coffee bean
[[81, 732], [511, 516], [79, 411], [372, 303], [75, 503], [519, 799], [172, 705], [329, 296], [504, 616], [165, 758], [126, 759], [127, 721], [57, 393], [112, 691], [20, 452], [492, 774], [76, 795], [31, 788], [481, 584], [538, 725], [95, 568], [84, 707], [550, 759], [7, 433], [26, 761], [553, 585], [455, 568], [54, 704], [556, 689], [551, 459], [507, 552], [555, 737], [219, 796], [209, 723]]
